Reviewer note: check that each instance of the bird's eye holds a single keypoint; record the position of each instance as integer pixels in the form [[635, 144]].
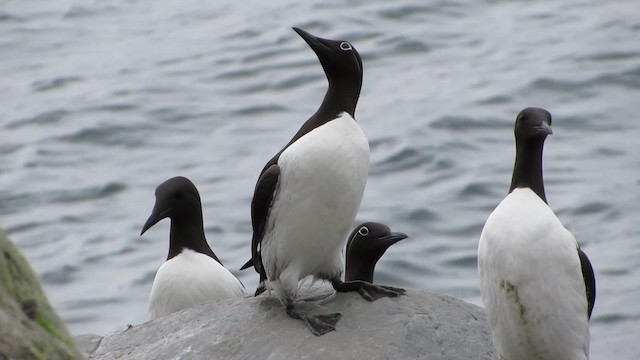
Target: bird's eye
[[178, 195], [364, 231], [345, 46]]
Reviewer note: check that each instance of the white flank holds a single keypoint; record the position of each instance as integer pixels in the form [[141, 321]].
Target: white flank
[[188, 279], [322, 179], [531, 282]]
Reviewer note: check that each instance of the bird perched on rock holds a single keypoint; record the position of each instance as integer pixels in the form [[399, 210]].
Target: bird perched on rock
[[308, 194], [538, 286], [366, 245], [192, 273]]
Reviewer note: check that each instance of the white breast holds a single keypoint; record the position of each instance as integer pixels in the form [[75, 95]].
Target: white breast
[[188, 279], [531, 282], [322, 180]]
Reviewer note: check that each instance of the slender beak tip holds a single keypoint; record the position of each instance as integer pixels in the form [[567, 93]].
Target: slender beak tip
[[152, 220], [401, 236], [395, 237], [310, 39]]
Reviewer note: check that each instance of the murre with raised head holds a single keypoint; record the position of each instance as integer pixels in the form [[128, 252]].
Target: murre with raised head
[[308, 194], [192, 273], [538, 287]]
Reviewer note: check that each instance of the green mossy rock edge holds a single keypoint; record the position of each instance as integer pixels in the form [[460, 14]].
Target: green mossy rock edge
[[29, 327]]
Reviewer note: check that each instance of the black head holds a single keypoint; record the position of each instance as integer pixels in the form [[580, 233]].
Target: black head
[[366, 244], [533, 124], [176, 198], [341, 63]]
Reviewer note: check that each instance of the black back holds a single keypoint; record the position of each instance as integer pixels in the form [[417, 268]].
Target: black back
[[179, 200], [531, 129], [366, 244], [343, 67]]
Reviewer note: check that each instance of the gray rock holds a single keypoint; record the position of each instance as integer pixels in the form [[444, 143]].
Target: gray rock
[[88, 343], [419, 325], [29, 327]]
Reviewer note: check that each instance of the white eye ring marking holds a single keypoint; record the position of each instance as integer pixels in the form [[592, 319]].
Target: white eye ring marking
[[364, 231], [345, 46]]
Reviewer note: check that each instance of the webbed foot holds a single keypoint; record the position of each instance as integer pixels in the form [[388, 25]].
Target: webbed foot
[[318, 324], [367, 290]]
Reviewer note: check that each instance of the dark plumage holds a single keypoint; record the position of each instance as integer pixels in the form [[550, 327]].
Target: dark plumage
[[367, 243]]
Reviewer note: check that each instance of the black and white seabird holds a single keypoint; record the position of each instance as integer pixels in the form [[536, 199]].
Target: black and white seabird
[[367, 243], [308, 194], [192, 273], [538, 287]]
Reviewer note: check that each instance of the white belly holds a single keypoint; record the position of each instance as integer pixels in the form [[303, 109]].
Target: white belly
[[322, 180], [531, 282], [188, 279]]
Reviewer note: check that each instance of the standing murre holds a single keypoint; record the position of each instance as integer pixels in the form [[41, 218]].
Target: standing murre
[[367, 243], [538, 287], [192, 273], [308, 194]]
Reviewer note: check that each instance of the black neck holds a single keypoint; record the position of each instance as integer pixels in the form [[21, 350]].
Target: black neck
[[188, 232], [342, 96], [356, 270], [527, 171]]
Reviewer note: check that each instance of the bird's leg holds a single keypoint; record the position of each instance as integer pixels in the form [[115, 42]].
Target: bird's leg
[[368, 290], [318, 324]]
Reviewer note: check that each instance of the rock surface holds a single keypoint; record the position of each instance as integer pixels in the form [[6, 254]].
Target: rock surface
[[419, 325], [29, 327]]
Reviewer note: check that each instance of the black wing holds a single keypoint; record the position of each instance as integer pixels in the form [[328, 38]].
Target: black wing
[[261, 286], [589, 279], [260, 206]]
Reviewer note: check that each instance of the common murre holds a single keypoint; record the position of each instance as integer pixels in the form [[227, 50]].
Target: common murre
[[308, 194], [538, 287], [192, 273]]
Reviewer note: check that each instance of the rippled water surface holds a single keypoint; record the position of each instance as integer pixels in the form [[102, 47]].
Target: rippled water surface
[[103, 100]]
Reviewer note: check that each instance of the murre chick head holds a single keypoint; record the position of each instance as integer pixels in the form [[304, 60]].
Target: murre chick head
[[366, 245], [177, 199]]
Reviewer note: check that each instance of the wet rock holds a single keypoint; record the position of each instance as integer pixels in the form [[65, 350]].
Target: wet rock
[[419, 325]]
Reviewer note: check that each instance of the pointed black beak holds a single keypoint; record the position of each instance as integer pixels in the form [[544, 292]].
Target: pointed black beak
[[544, 129], [316, 43], [393, 238], [156, 215]]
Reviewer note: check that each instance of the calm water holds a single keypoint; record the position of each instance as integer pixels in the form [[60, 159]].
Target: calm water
[[103, 100]]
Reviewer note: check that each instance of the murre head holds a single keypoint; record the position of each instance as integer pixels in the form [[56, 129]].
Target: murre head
[[342, 65], [179, 200], [366, 244], [533, 125]]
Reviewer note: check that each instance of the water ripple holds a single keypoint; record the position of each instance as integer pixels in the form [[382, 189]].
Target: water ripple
[[46, 118], [55, 83]]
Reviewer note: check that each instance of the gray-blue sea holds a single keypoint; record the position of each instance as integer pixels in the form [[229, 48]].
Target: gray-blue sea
[[102, 100]]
